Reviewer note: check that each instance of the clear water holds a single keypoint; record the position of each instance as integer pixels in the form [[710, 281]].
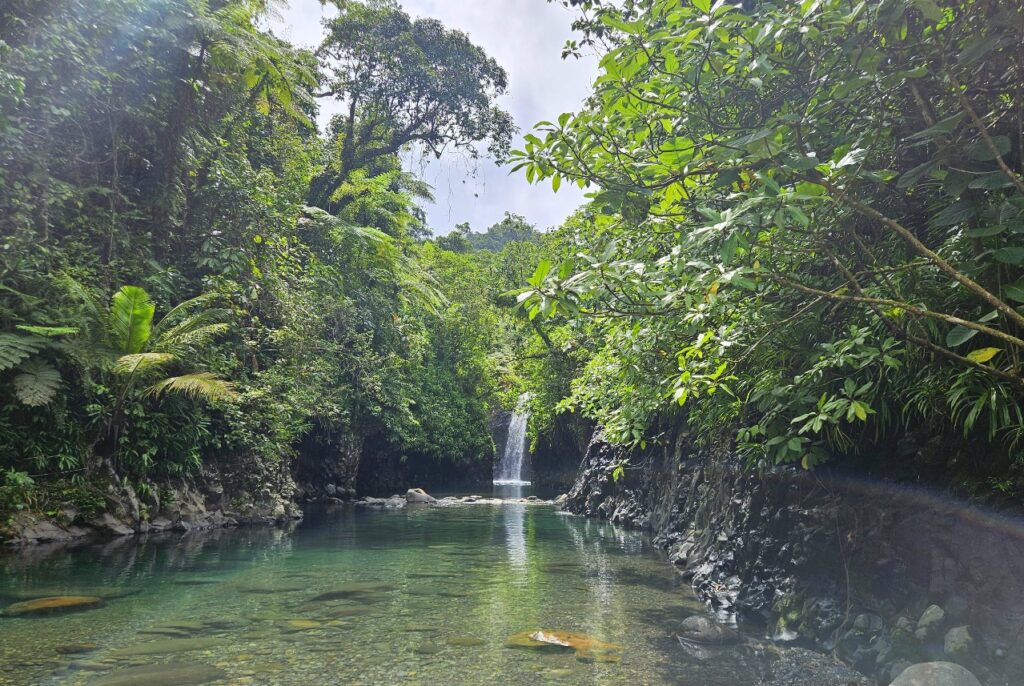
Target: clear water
[[422, 596]]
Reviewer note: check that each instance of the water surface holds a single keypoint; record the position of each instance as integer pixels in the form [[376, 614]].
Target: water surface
[[423, 595]]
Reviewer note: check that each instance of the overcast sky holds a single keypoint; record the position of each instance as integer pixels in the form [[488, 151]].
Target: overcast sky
[[526, 38]]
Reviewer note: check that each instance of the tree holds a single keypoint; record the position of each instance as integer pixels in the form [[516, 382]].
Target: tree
[[806, 212], [403, 82]]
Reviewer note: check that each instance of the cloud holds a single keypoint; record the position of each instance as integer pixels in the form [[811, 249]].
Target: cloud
[[526, 38]]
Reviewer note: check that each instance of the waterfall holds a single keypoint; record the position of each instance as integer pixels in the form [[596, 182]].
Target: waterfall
[[510, 464]]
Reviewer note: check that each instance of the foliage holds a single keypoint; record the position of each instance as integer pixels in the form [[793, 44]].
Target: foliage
[[804, 221], [279, 293]]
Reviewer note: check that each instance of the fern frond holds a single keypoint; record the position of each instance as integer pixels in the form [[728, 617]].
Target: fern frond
[[200, 385], [48, 331], [131, 318], [37, 383], [14, 349], [141, 362]]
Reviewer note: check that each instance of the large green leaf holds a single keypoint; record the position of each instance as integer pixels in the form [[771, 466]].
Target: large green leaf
[[37, 383], [131, 319]]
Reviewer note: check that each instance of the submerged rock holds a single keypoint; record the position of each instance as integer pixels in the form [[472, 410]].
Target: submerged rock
[[701, 629], [465, 641], [419, 496], [936, 674], [75, 648], [53, 604], [586, 648], [168, 646], [357, 590], [958, 644], [169, 674]]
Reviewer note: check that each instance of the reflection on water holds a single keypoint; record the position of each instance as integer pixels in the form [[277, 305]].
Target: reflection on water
[[424, 595]]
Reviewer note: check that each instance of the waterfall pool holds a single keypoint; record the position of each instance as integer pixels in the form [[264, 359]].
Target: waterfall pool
[[424, 595]]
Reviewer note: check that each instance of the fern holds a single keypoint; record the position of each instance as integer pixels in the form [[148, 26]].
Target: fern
[[15, 349], [48, 331], [37, 384], [198, 385]]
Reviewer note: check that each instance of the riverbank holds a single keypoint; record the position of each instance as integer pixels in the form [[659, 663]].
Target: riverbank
[[882, 576]]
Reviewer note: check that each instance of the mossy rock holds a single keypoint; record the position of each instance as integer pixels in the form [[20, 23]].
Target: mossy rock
[[53, 604], [586, 648]]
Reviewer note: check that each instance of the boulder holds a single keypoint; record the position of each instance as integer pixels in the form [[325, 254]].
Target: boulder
[[167, 674], [701, 629], [111, 524], [936, 674], [958, 644], [419, 496], [930, 623]]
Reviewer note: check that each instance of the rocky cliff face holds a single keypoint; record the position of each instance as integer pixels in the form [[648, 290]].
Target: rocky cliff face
[[218, 497], [884, 576]]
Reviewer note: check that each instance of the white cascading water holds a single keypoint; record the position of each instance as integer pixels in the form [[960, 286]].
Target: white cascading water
[[510, 465]]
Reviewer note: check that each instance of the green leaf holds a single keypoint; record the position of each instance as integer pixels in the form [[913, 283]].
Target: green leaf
[[982, 355], [37, 384], [1014, 292], [1010, 255], [131, 319], [14, 349], [985, 231], [540, 273], [702, 5], [960, 335]]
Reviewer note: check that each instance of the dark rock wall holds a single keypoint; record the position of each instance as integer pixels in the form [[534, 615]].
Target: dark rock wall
[[326, 468], [822, 558], [384, 471], [557, 454]]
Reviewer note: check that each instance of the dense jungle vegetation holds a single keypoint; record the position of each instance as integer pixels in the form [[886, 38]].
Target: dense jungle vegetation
[[803, 237]]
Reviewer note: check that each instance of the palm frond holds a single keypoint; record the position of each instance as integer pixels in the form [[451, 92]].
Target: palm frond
[[167, 321], [131, 318], [14, 349], [141, 362], [199, 385]]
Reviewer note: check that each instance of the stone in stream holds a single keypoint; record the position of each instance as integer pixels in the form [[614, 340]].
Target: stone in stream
[[936, 674], [701, 629], [54, 604], [586, 648], [357, 590], [958, 644], [168, 674], [419, 497], [930, 623], [427, 648], [168, 646]]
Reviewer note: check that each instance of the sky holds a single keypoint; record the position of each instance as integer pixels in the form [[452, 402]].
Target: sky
[[526, 38]]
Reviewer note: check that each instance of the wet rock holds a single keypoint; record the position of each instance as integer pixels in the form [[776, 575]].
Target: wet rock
[[393, 503], [112, 525], [357, 590], [168, 674], [53, 604], [930, 623], [958, 644], [936, 674], [419, 496], [560, 500], [586, 648], [427, 648], [802, 667], [701, 629]]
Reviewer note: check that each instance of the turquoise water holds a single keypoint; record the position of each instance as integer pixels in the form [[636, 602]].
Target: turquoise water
[[423, 595]]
